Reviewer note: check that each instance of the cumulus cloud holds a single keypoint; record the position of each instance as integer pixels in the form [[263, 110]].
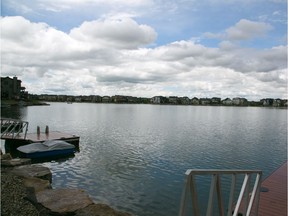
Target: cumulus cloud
[[110, 56], [246, 29], [242, 30], [120, 33]]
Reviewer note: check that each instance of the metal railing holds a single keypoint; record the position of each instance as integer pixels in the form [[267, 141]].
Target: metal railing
[[11, 128], [246, 199]]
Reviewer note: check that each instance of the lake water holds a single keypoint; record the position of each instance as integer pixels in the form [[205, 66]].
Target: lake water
[[133, 157]]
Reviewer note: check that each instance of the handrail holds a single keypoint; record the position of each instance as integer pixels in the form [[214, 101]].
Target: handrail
[[249, 200], [11, 128]]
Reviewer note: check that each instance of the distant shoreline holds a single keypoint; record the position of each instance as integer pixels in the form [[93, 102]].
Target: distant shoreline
[[161, 100], [157, 100]]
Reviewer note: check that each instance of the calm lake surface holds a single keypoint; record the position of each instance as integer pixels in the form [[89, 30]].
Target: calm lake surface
[[133, 157]]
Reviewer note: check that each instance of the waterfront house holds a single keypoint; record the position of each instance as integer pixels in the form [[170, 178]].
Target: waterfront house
[[173, 100], [159, 100], [11, 88], [78, 99], [277, 102], [215, 101], [267, 102], [131, 99], [205, 101], [87, 98], [239, 101], [227, 102], [47, 97], [185, 100], [106, 99], [96, 99], [195, 101], [119, 99], [62, 98]]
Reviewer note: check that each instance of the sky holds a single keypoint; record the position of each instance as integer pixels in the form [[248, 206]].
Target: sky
[[145, 48]]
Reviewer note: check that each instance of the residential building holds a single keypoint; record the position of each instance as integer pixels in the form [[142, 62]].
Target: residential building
[[96, 99], [215, 101], [185, 100], [205, 101], [195, 101], [240, 101], [173, 100], [11, 88], [106, 99], [267, 102], [227, 102], [119, 99], [159, 100]]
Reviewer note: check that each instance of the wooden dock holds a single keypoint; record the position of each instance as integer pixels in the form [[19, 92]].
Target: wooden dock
[[14, 132], [41, 137], [273, 197], [52, 135]]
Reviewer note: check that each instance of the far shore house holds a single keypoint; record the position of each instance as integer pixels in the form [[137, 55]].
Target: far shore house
[[239, 101], [159, 100], [11, 89], [227, 102]]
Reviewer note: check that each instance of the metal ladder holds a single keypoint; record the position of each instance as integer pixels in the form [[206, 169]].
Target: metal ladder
[[246, 200], [11, 128]]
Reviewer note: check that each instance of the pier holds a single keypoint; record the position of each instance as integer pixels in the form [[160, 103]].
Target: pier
[[14, 132], [267, 198], [273, 196]]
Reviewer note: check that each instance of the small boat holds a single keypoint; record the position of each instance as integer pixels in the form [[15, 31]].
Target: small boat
[[50, 148]]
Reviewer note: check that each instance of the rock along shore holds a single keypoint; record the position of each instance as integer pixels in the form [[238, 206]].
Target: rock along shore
[[26, 190]]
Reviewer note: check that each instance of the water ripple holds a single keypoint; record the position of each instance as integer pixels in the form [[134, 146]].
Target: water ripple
[[134, 157]]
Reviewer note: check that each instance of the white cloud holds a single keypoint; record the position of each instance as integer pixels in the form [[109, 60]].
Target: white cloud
[[109, 56], [118, 33], [242, 30], [246, 29]]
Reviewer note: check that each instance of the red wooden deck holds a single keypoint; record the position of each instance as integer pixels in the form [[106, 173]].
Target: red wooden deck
[[274, 202], [52, 135], [34, 137]]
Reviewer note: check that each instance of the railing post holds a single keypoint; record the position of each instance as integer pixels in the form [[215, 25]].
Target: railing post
[[232, 191], [243, 189], [194, 196], [246, 195], [25, 134], [219, 196], [211, 195], [190, 184], [247, 202], [184, 195], [12, 128], [255, 195], [258, 194]]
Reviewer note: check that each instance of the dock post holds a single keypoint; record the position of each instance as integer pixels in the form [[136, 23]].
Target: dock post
[[47, 130], [38, 132]]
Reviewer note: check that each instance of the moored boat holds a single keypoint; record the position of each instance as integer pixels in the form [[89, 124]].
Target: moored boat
[[50, 148]]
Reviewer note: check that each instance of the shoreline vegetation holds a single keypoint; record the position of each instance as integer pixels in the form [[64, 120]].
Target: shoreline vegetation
[[9, 103], [38, 100]]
